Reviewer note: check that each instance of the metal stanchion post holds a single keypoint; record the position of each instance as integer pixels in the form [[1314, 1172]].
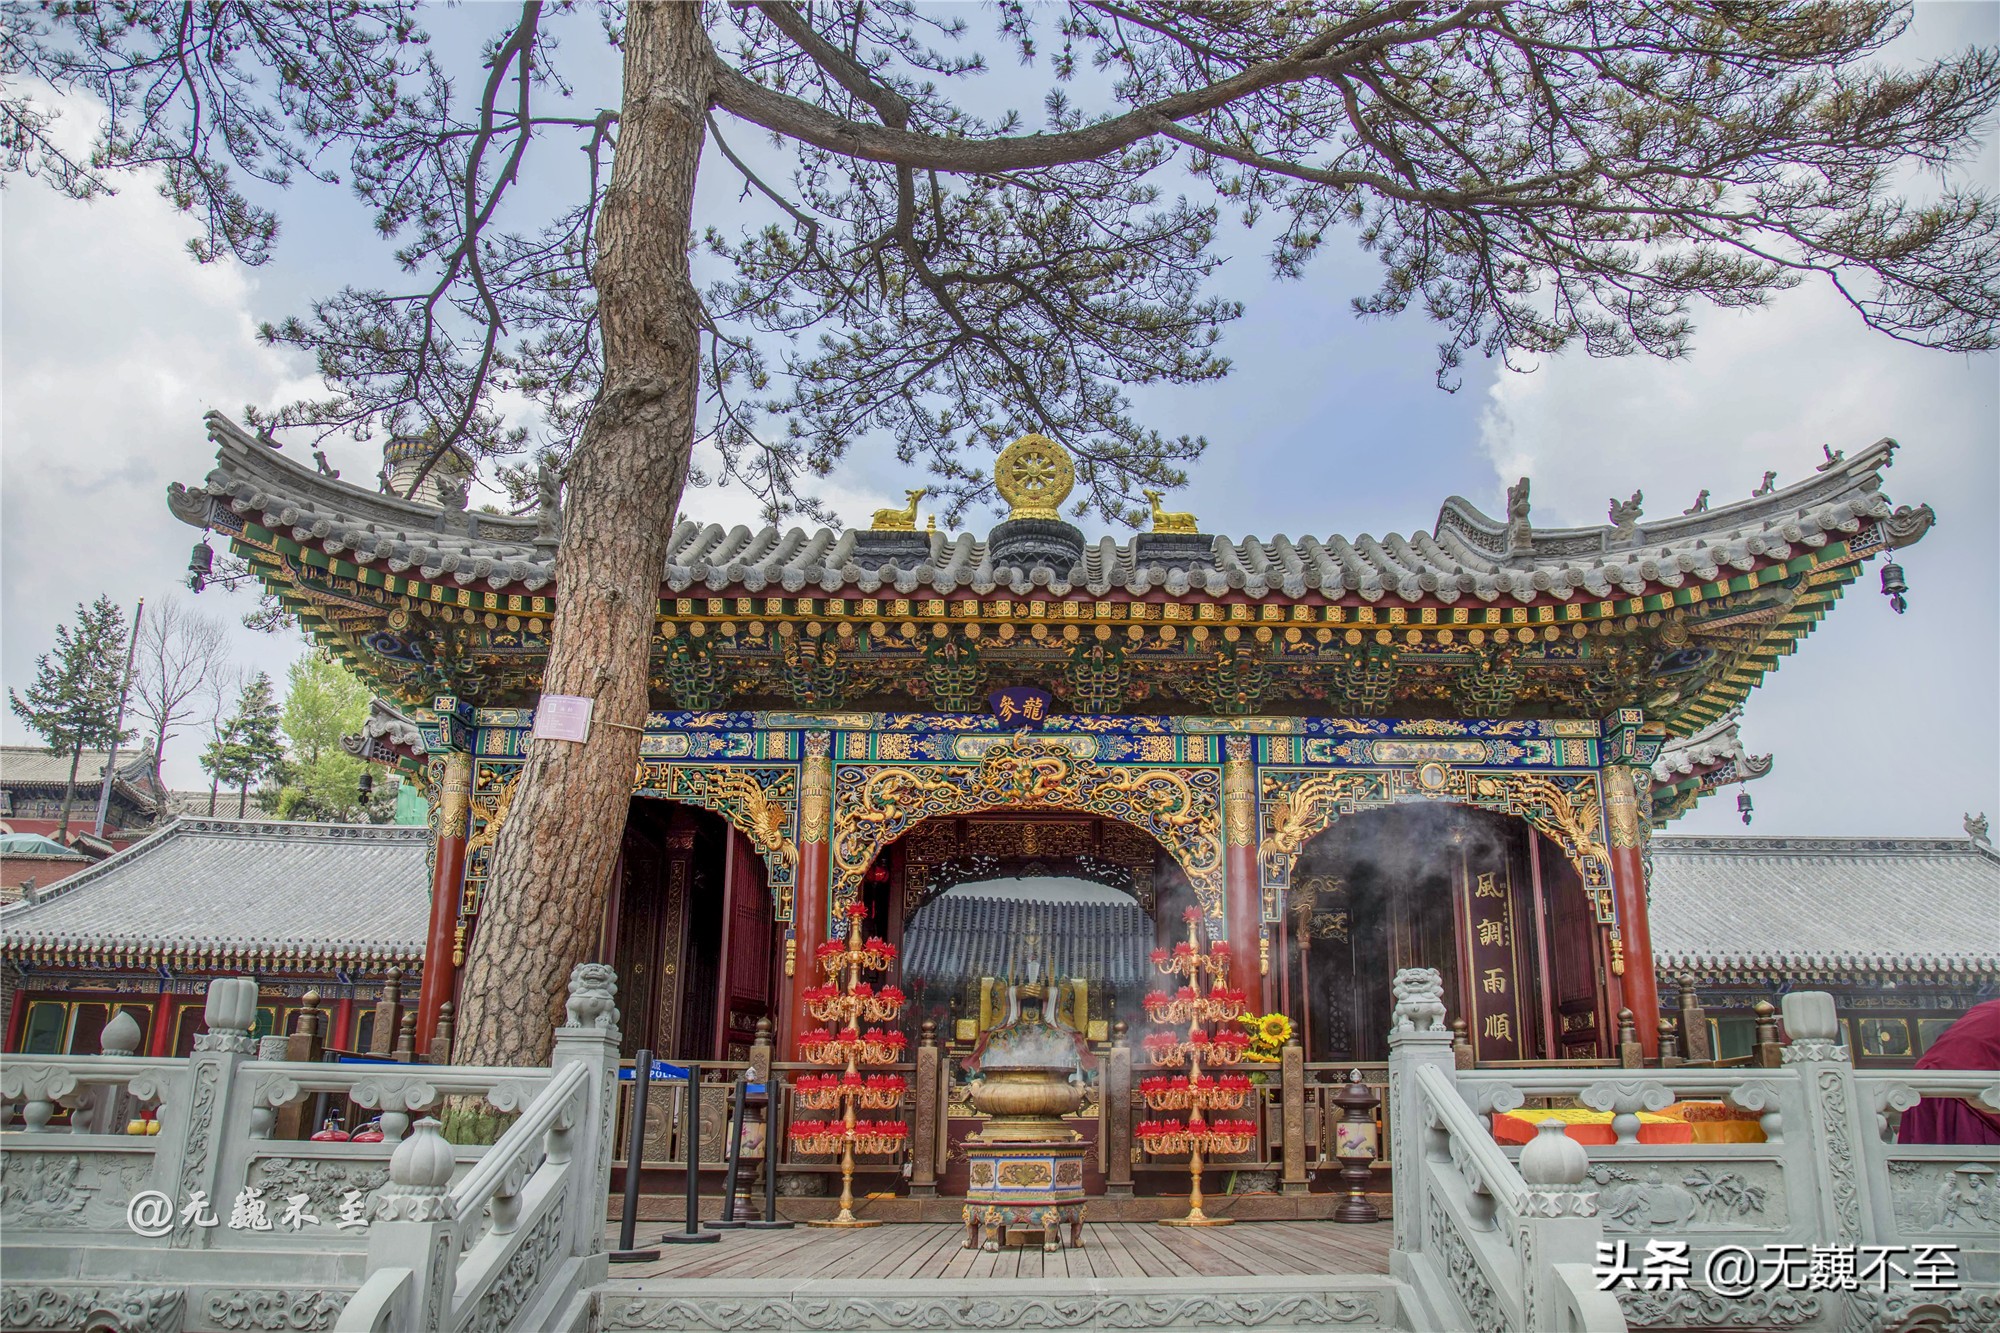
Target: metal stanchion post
[[771, 1221], [728, 1221], [635, 1148], [692, 1233]]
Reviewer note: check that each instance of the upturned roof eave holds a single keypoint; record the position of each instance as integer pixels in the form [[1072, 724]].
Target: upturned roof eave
[[713, 561], [340, 556]]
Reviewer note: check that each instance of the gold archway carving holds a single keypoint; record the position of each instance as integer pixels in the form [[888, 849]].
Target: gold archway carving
[[757, 800], [1296, 805], [938, 854], [1180, 808]]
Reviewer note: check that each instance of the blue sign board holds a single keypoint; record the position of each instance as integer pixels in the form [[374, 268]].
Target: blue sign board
[[1020, 703]]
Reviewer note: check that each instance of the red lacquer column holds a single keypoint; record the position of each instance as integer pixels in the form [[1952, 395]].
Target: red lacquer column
[[447, 878], [160, 1041], [1242, 897], [1633, 944], [808, 928], [341, 1025]]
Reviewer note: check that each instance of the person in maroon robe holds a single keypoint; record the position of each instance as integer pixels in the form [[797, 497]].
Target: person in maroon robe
[[1973, 1042]]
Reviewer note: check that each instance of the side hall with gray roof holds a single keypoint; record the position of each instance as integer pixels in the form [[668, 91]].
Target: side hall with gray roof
[[238, 893], [1865, 908]]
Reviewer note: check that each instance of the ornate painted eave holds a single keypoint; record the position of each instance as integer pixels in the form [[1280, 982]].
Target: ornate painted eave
[[1476, 619], [1690, 769]]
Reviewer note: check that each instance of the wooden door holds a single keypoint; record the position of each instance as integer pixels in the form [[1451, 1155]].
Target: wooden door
[[749, 968], [1581, 1024]]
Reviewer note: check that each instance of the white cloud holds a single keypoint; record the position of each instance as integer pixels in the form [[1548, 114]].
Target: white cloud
[[114, 343], [1881, 724]]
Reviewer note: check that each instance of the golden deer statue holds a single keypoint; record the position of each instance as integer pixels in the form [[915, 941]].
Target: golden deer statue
[[1167, 520], [898, 520]]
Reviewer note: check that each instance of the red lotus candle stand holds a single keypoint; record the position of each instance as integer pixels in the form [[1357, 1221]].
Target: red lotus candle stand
[[1203, 1004], [844, 1002]]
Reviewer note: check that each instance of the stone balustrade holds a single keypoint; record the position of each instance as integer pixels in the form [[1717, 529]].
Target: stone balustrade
[[1828, 1175], [238, 1229], [416, 1233]]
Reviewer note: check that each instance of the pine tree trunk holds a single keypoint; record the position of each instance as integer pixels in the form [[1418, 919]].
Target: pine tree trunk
[[242, 799], [214, 786], [69, 789], [553, 859]]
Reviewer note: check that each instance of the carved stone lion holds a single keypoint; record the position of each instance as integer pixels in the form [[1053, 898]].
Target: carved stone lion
[[1419, 993], [593, 990]]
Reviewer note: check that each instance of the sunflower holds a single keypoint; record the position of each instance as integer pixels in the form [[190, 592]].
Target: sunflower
[[1274, 1029]]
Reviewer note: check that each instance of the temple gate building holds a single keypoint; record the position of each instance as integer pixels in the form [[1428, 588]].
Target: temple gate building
[[1449, 749]]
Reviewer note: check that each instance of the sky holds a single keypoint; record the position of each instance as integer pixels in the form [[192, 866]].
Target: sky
[[113, 343]]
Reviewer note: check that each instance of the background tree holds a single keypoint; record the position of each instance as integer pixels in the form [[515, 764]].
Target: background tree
[[318, 779], [181, 654], [248, 746], [217, 696], [72, 704], [1532, 176]]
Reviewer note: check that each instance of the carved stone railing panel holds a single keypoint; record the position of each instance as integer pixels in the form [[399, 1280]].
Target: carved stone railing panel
[[1953, 1196], [1929, 1193], [70, 1187], [1691, 1195]]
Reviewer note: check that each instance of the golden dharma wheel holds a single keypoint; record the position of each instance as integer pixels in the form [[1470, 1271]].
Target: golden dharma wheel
[[1034, 475]]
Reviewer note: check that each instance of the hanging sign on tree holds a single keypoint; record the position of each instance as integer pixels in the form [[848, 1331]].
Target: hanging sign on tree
[[563, 717]]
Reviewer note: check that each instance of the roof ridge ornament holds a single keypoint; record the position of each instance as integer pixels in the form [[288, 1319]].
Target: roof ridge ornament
[[1034, 475], [1168, 520], [1520, 534], [1625, 518], [899, 520]]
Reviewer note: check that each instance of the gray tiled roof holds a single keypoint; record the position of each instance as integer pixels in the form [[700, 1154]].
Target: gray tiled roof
[[1467, 555], [34, 766], [197, 803], [957, 936], [1856, 905], [228, 888]]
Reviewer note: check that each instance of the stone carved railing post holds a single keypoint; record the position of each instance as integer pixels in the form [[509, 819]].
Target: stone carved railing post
[[925, 1113], [305, 1045], [1695, 1046], [589, 1036], [197, 1136], [1559, 1224], [1765, 1052], [1836, 1120], [1417, 1037], [411, 1227], [1292, 1100], [111, 1108], [1114, 1109], [388, 1010]]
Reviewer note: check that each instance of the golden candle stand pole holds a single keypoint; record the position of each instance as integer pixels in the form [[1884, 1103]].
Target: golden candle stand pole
[[845, 1001]]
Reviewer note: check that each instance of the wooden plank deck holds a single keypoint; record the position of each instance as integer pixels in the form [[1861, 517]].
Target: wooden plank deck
[[931, 1250]]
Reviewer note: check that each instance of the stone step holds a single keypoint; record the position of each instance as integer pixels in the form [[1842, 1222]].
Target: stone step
[[1178, 1305]]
